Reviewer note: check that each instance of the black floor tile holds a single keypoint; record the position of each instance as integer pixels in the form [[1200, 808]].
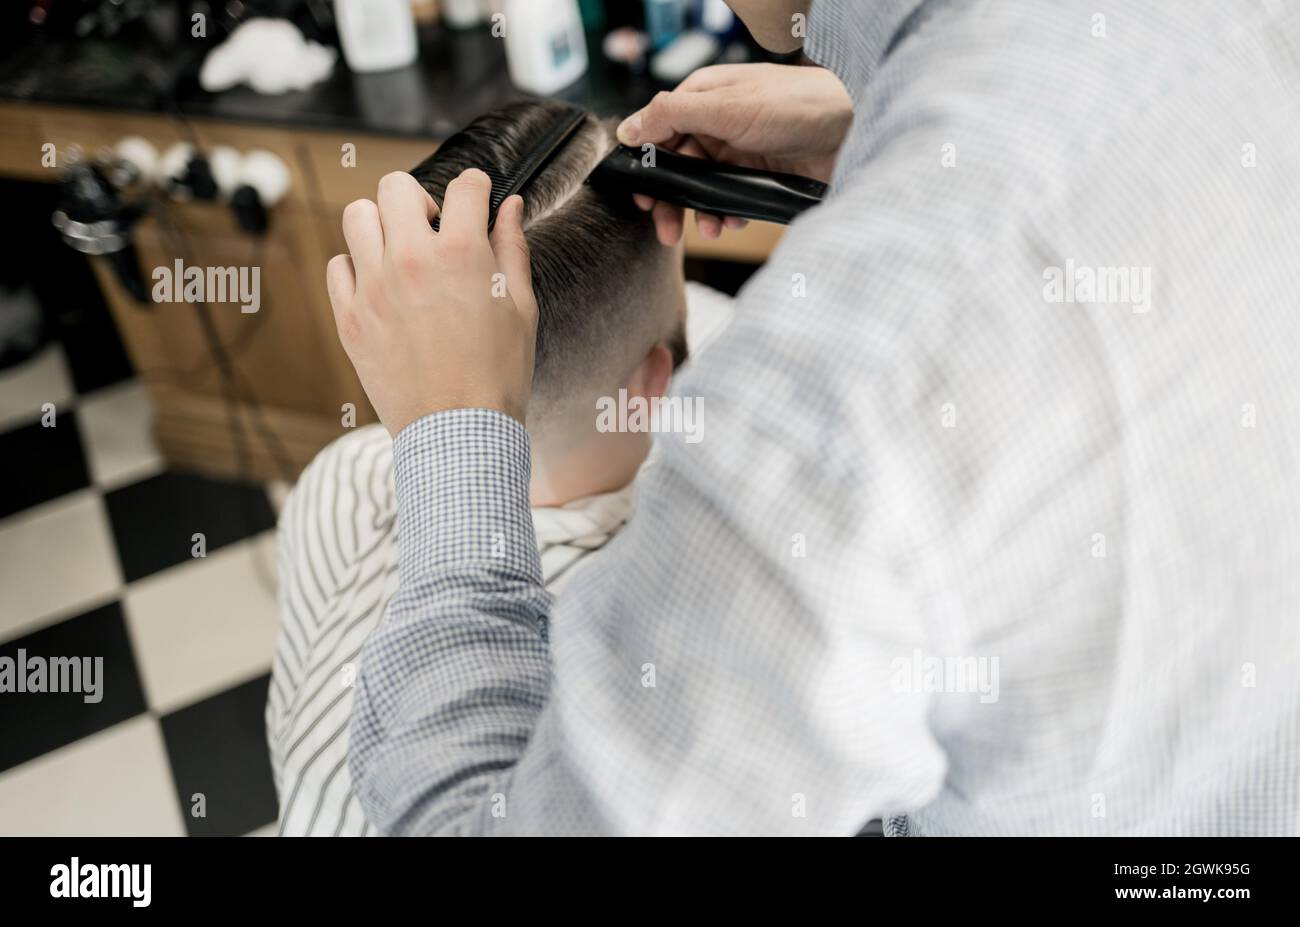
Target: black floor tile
[[155, 520], [39, 464], [34, 723], [95, 354], [217, 747]]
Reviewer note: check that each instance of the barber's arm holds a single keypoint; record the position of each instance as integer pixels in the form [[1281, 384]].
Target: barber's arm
[[454, 678], [693, 683]]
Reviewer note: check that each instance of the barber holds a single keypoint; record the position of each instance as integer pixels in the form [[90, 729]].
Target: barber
[[968, 546]]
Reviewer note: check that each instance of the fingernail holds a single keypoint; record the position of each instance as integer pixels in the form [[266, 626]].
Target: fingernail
[[629, 130]]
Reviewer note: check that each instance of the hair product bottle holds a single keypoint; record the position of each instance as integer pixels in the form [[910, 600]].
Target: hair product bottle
[[545, 46], [376, 35], [664, 20]]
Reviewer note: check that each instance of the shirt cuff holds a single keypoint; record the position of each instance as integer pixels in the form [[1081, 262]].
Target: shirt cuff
[[462, 481]]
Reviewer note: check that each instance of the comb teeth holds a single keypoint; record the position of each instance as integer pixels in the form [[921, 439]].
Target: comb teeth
[[506, 184], [501, 182]]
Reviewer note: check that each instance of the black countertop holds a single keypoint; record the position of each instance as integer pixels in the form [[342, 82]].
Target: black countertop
[[459, 75]]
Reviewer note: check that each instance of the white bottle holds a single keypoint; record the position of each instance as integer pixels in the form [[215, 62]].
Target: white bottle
[[377, 35], [545, 46], [463, 14]]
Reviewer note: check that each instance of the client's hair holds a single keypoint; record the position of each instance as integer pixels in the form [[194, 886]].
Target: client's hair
[[595, 260]]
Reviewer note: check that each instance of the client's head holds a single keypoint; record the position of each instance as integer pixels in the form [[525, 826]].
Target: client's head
[[611, 300]]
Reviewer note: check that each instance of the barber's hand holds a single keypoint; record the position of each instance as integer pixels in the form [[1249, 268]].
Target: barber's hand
[[774, 117], [436, 320]]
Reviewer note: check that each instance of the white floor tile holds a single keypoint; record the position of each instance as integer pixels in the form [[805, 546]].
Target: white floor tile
[[114, 783], [23, 389], [203, 626], [56, 560], [116, 428]]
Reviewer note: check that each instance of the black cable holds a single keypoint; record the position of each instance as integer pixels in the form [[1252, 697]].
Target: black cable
[[234, 350], [234, 395]]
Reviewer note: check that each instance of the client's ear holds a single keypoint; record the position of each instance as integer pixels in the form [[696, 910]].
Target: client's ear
[[650, 379]]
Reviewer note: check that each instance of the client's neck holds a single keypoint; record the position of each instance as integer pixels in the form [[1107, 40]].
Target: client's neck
[[602, 463]]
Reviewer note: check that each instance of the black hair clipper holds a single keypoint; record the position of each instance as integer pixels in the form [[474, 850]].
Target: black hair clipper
[[708, 186]]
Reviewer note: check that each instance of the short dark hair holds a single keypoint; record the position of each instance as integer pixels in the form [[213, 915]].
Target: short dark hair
[[592, 254]]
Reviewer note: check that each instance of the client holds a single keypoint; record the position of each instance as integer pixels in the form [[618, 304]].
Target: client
[[611, 313]]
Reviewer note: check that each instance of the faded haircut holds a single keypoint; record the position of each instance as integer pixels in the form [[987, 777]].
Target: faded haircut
[[595, 260]]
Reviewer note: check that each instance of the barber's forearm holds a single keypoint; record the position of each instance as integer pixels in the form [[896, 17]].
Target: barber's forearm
[[455, 677]]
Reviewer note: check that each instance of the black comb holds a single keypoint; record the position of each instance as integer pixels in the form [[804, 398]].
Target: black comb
[[506, 184]]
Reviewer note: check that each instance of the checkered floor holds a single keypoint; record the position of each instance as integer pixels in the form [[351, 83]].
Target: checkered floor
[[96, 560]]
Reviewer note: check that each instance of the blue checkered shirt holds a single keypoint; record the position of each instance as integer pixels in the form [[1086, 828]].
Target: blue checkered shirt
[[995, 524]]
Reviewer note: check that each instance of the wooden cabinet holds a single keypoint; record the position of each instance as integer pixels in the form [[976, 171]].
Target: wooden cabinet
[[291, 386], [292, 381]]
